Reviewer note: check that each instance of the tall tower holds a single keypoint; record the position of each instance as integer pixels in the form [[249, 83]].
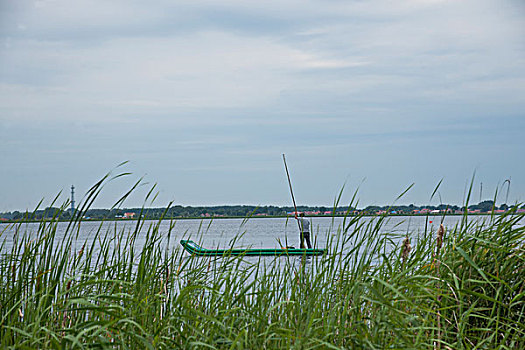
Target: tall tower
[[480, 191], [72, 199]]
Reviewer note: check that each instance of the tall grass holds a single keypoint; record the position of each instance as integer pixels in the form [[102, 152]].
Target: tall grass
[[461, 289]]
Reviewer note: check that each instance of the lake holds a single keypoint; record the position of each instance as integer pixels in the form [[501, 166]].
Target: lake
[[254, 232]]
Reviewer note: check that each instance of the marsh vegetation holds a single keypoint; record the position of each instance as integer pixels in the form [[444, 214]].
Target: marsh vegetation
[[448, 287]]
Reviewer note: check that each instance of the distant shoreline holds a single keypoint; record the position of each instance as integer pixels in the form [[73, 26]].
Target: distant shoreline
[[179, 212], [244, 217]]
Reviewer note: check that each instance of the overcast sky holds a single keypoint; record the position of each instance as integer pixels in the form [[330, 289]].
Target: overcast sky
[[203, 98]]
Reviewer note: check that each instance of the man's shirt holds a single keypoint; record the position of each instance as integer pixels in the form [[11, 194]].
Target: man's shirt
[[305, 224]]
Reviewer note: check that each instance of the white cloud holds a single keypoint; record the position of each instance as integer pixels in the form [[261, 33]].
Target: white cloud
[[251, 79], [206, 69]]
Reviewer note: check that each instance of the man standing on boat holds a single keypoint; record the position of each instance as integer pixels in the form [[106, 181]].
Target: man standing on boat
[[304, 225]]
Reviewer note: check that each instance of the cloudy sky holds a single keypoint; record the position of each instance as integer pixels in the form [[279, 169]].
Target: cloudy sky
[[203, 98]]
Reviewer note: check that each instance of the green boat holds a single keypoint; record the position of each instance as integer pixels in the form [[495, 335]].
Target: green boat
[[194, 249]]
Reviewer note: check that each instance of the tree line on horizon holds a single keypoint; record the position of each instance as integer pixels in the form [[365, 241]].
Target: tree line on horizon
[[179, 211]]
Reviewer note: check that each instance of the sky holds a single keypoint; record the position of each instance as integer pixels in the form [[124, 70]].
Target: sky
[[202, 98]]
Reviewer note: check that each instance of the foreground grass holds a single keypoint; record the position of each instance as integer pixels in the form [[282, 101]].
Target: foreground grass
[[456, 288]]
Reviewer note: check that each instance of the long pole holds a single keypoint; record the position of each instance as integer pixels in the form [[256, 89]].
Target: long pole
[[293, 198]]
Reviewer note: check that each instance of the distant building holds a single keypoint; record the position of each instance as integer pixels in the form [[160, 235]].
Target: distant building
[[129, 215]]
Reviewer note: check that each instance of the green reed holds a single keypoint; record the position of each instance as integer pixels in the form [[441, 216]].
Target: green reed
[[461, 287]]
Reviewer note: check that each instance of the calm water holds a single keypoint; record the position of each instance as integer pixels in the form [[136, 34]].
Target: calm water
[[256, 232]]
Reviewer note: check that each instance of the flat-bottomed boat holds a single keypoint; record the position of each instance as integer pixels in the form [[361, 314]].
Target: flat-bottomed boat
[[194, 249]]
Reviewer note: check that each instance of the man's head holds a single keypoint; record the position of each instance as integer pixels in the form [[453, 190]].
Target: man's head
[[302, 214]]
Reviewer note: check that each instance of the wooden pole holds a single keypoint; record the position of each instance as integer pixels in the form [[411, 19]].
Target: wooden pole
[[293, 200]]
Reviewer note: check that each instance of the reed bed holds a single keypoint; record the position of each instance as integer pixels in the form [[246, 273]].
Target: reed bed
[[455, 288]]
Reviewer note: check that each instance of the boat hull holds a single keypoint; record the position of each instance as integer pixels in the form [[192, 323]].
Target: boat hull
[[194, 249]]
